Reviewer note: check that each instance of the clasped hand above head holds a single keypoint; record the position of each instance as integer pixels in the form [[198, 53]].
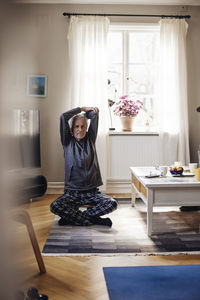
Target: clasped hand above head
[[85, 109]]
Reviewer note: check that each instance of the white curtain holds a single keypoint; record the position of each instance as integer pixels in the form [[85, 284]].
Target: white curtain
[[87, 39], [173, 110]]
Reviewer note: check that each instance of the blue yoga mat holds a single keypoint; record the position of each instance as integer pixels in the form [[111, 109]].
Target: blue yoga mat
[[153, 283]]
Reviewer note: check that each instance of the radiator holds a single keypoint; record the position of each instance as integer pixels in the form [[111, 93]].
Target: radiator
[[129, 150]]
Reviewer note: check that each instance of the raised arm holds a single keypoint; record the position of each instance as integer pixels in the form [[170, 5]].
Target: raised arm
[[65, 132], [92, 113]]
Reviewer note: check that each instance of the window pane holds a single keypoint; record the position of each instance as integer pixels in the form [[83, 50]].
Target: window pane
[[133, 60], [141, 79], [115, 47], [142, 47], [115, 81]]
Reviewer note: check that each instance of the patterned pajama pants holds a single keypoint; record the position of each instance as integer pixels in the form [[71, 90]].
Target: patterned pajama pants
[[67, 206]]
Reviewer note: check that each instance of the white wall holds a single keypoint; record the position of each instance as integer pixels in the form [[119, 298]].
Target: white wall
[[35, 42]]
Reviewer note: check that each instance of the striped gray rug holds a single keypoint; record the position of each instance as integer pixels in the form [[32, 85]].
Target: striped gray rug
[[174, 232]]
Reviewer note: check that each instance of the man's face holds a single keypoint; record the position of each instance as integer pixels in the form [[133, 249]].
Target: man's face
[[79, 129]]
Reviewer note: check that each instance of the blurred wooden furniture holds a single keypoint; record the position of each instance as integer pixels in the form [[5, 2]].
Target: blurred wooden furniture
[[21, 215]]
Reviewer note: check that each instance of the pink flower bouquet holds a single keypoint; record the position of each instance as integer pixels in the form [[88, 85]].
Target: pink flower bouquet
[[127, 108]]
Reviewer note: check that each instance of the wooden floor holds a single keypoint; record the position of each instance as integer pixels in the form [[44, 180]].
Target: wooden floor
[[72, 278]]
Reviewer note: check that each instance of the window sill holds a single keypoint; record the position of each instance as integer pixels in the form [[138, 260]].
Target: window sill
[[149, 133]]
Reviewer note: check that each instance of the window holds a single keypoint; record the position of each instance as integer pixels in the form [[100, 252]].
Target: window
[[133, 61]]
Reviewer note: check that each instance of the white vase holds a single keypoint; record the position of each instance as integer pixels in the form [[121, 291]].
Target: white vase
[[127, 123]]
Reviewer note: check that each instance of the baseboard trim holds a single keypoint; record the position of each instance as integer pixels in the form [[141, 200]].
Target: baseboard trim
[[113, 186], [55, 188], [118, 186]]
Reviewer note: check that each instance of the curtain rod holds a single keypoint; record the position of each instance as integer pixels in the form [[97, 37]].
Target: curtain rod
[[122, 15]]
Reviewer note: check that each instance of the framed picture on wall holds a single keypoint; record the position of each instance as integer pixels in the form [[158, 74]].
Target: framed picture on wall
[[37, 85]]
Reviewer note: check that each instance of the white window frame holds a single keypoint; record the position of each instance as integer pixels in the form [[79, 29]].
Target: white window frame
[[126, 28]]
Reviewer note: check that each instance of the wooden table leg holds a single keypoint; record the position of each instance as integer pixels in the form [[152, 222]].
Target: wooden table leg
[[149, 211], [22, 216], [133, 195]]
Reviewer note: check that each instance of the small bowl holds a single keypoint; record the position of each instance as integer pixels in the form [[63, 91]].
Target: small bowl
[[176, 172]]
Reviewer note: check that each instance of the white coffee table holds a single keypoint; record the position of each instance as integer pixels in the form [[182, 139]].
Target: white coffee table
[[163, 191]]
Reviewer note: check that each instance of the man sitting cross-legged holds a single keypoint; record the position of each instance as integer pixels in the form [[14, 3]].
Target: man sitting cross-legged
[[82, 173]]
